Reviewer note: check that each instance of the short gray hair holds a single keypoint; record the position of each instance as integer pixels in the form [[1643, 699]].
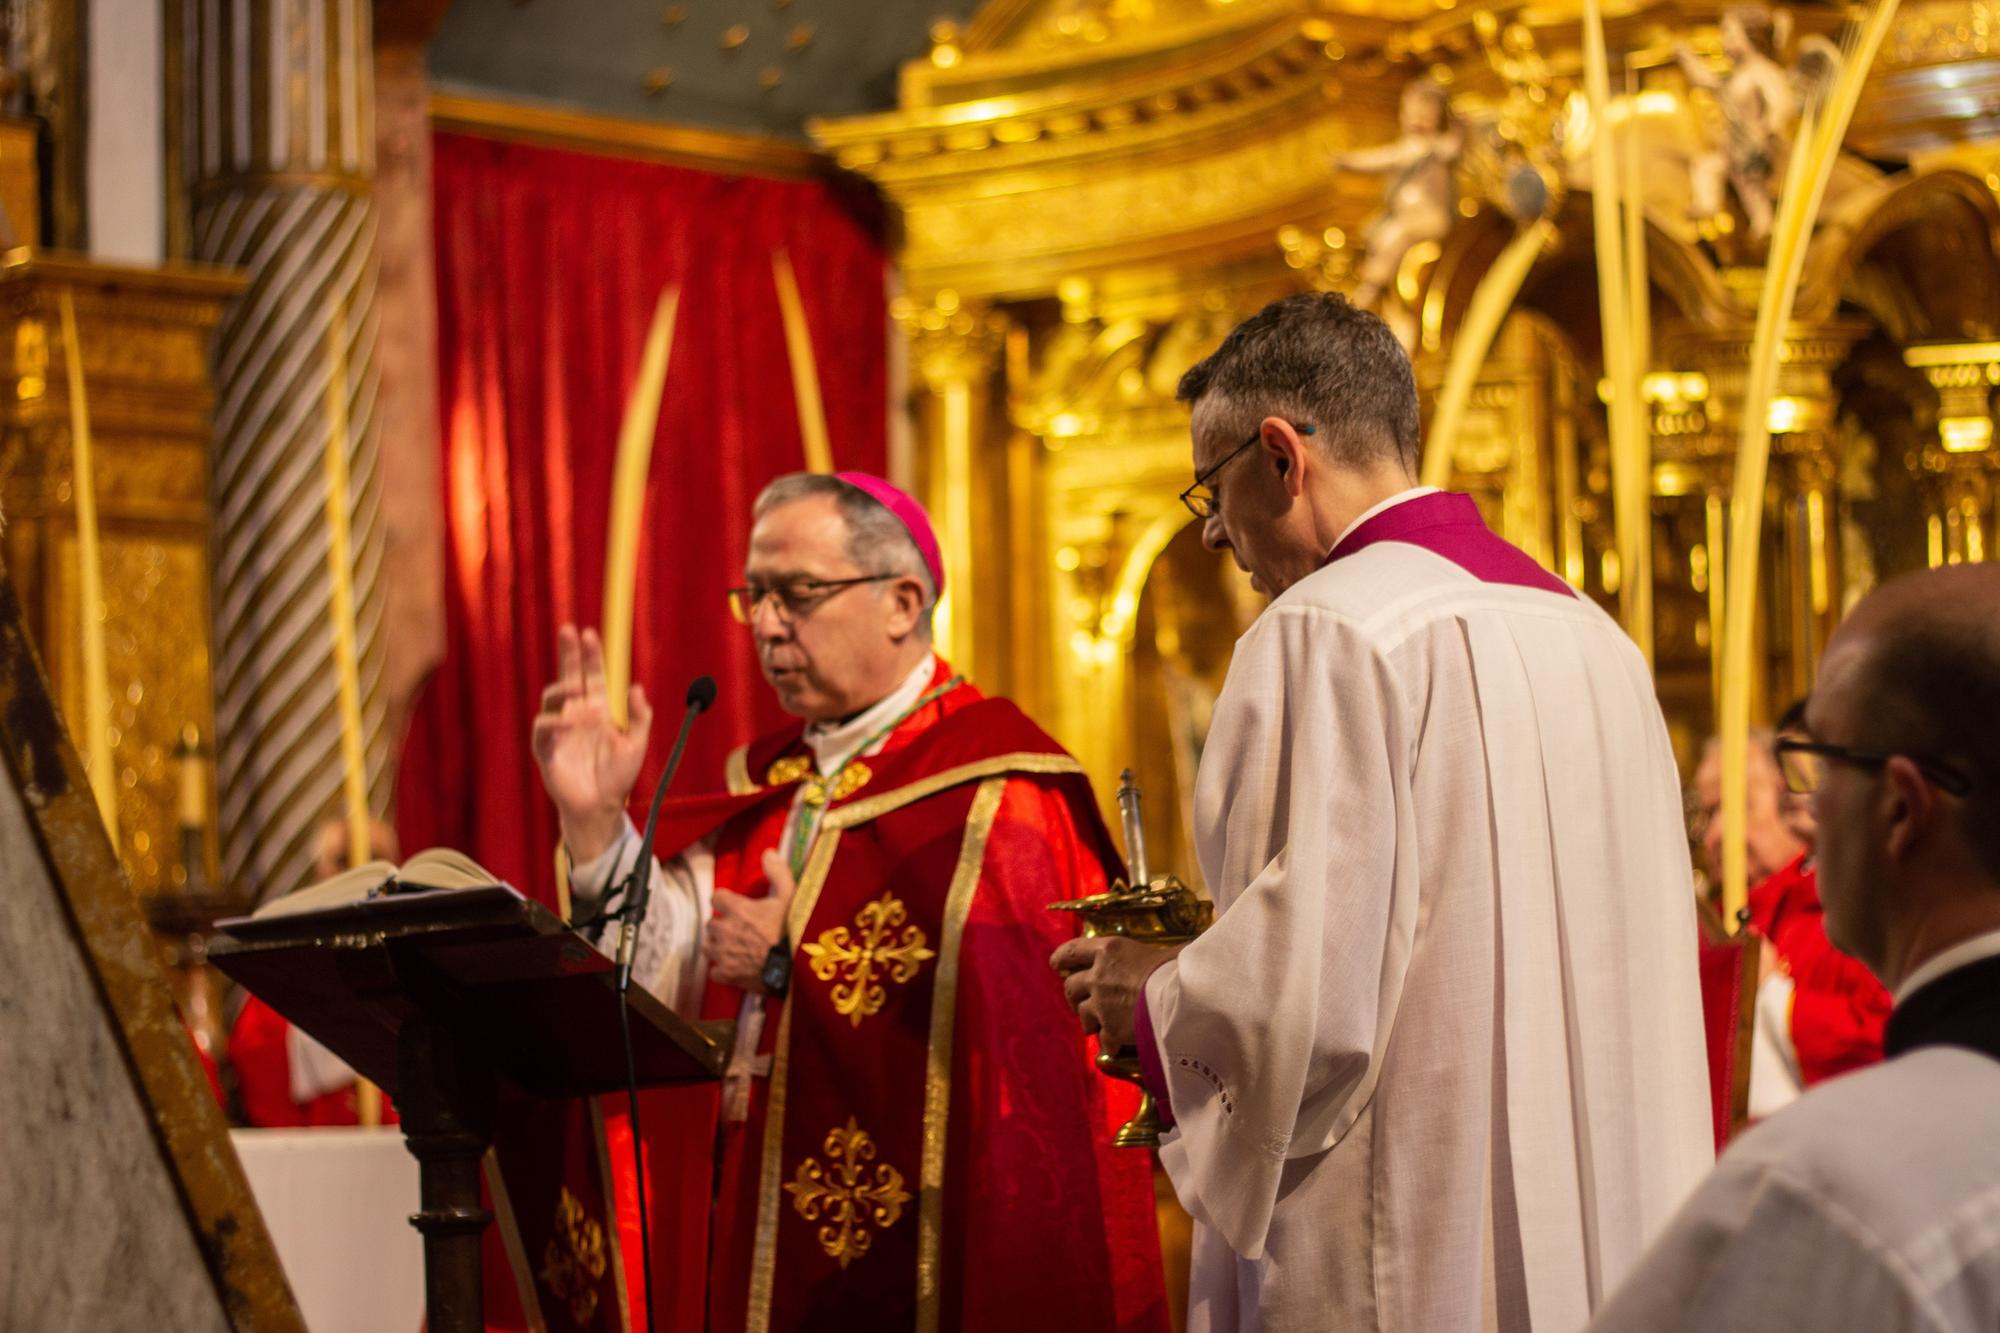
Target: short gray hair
[[1316, 358], [877, 541]]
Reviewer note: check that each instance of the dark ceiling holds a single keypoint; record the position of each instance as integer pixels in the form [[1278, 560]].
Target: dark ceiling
[[715, 57]]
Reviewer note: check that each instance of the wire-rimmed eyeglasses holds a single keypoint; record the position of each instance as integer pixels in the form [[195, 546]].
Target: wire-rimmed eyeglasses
[[796, 597], [1200, 498]]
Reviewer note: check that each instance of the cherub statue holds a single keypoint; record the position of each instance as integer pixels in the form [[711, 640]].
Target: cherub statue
[[1417, 206], [1760, 100]]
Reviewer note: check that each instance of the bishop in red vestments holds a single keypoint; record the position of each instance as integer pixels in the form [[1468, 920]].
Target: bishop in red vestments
[[910, 1135]]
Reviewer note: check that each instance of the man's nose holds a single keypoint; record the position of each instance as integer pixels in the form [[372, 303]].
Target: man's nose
[[767, 623], [1213, 535]]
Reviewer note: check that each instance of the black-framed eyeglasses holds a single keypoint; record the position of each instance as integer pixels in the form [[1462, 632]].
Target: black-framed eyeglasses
[[1803, 762], [796, 597], [1200, 497]]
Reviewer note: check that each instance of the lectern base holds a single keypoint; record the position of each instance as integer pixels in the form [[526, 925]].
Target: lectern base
[[446, 1101]]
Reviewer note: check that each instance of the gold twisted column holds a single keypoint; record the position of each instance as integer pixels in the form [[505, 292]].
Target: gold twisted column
[[1956, 467], [283, 117], [955, 350]]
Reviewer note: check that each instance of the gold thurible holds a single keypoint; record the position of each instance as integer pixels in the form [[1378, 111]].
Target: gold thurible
[[1153, 909]]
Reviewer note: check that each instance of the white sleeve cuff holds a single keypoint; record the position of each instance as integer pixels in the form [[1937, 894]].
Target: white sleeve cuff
[[588, 881]]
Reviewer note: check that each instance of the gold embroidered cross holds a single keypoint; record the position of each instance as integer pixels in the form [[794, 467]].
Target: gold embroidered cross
[[573, 1260], [849, 778], [842, 1194], [873, 949], [789, 769]]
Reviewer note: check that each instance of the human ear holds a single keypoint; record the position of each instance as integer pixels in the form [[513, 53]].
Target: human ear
[[1910, 806], [1287, 450], [906, 605]]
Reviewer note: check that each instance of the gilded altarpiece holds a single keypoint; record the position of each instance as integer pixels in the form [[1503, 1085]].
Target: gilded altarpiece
[[1089, 198], [144, 340], [1093, 193]]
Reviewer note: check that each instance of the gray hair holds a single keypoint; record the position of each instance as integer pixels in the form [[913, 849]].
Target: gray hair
[[877, 541], [1315, 358]]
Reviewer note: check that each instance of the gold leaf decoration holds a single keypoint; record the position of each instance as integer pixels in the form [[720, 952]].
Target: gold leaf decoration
[[875, 951], [573, 1261], [842, 1193]]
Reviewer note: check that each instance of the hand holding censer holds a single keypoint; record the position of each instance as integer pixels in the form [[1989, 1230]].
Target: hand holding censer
[[1155, 910]]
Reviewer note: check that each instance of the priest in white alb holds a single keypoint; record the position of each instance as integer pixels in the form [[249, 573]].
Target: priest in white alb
[[1438, 1064]]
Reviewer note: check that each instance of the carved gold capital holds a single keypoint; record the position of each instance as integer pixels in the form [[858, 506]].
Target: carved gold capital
[[1958, 468], [952, 342], [1697, 407], [1964, 375]]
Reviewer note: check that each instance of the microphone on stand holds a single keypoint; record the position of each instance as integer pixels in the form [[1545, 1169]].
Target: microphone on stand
[[638, 889], [639, 882]]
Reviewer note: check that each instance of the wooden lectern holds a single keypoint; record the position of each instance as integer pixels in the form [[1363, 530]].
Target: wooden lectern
[[436, 996]]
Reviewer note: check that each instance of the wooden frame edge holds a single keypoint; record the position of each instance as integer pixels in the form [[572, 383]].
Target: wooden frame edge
[[587, 131], [103, 914]]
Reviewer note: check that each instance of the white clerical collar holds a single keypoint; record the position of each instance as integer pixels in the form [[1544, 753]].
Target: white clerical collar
[[1415, 492], [834, 743], [1965, 952]]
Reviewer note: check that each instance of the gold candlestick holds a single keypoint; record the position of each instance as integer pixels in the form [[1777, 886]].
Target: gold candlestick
[[192, 809]]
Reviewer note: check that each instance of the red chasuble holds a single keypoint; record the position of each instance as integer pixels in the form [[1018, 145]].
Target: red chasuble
[[930, 1147]]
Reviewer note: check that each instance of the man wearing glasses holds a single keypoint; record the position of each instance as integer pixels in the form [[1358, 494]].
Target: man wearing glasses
[[1438, 1064], [1874, 1201], [909, 1128]]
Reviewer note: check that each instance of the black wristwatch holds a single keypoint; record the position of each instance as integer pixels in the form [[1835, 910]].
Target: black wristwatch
[[777, 973]]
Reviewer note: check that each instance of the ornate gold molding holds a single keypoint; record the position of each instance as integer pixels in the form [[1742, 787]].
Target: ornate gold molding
[[144, 342], [952, 343], [1185, 151], [1935, 81], [1958, 468]]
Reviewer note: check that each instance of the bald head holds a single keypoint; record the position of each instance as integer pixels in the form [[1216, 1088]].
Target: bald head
[[1909, 803], [1915, 670]]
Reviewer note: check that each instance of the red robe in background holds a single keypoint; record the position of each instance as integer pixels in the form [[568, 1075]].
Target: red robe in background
[[930, 1148], [260, 1055], [1838, 1007]]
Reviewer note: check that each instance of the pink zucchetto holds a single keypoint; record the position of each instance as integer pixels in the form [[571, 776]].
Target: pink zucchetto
[[910, 514]]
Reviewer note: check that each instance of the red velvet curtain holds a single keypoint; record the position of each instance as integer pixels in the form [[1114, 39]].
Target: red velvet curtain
[[549, 264]]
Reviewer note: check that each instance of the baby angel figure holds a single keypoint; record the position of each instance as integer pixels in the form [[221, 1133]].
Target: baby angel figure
[[1418, 203]]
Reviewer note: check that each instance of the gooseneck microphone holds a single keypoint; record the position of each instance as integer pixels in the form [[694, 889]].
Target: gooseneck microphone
[[638, 886], [638, 890]]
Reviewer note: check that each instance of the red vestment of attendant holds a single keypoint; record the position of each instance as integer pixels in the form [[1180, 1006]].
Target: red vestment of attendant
[[260, 1055], [931, 1147], [1838, 1006]]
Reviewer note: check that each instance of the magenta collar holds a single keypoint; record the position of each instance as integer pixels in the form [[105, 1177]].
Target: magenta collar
[[1447, 523]]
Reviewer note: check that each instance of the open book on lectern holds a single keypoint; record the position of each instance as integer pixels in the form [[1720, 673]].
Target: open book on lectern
[[378, 891], [353, 958]]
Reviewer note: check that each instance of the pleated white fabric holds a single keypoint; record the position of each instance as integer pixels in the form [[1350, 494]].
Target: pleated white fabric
[[1438, 1065]]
